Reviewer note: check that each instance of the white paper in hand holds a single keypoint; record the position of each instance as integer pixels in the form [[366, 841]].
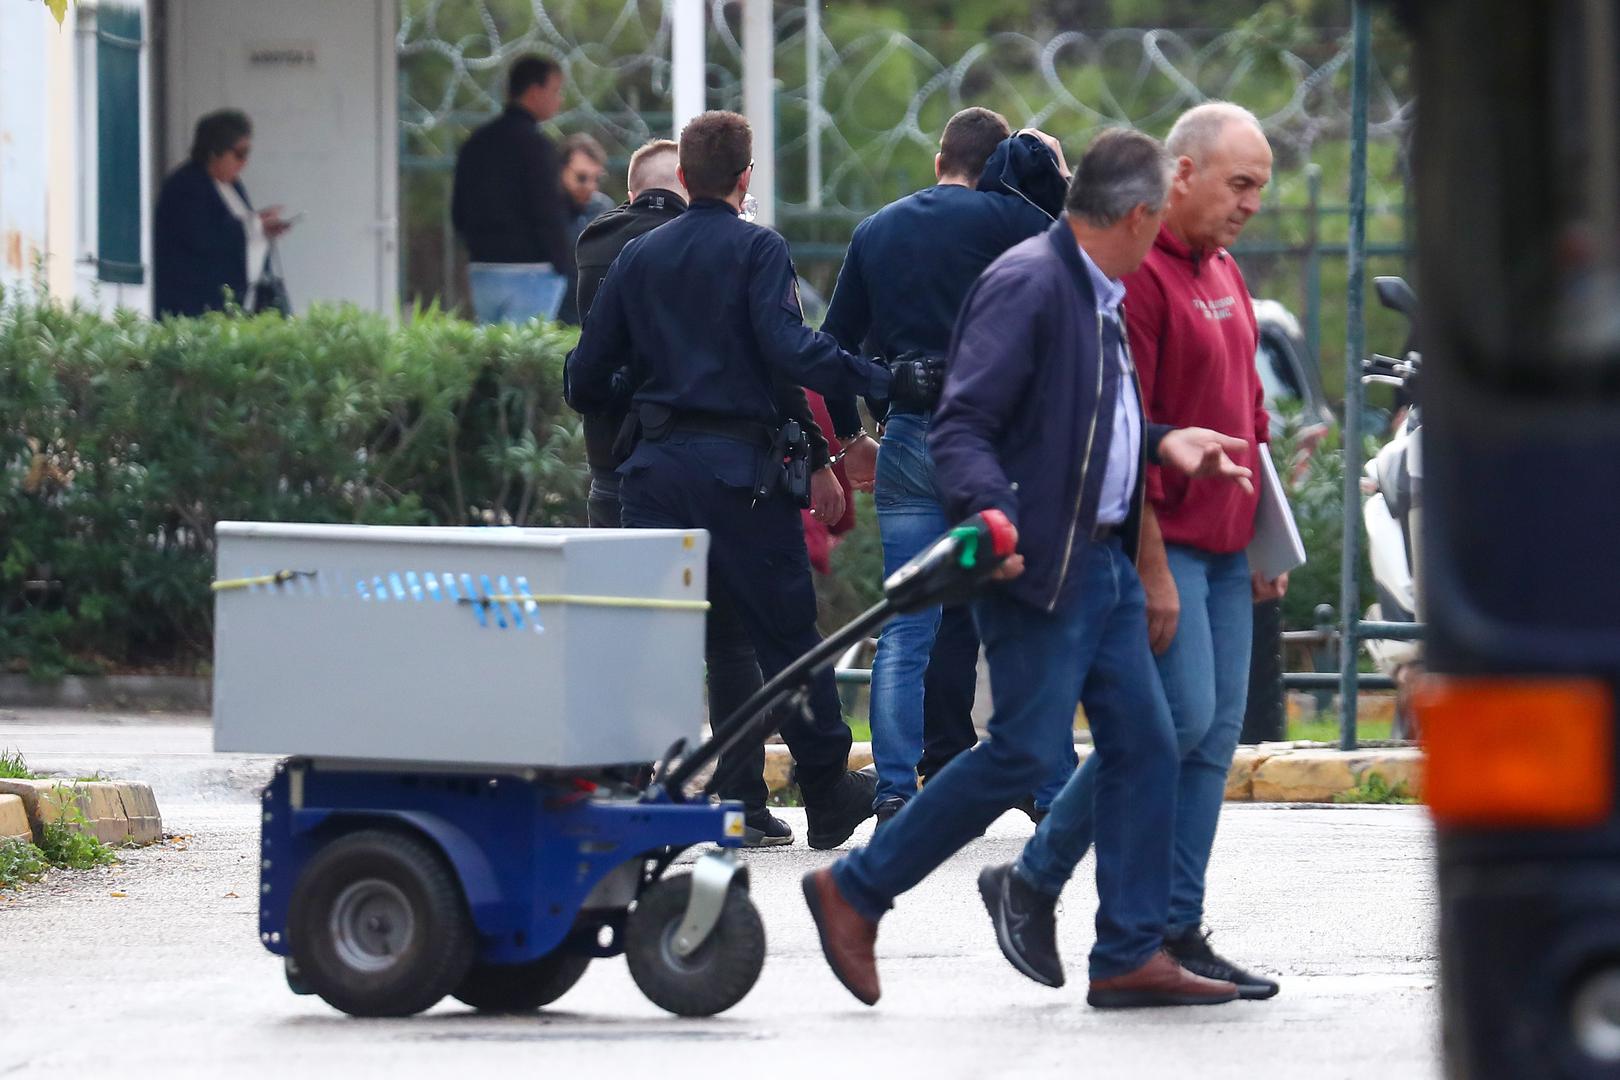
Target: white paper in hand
[[1276, 548]]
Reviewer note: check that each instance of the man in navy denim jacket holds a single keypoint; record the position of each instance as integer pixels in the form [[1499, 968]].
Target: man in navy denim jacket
[[1041, 418], [899, 292]]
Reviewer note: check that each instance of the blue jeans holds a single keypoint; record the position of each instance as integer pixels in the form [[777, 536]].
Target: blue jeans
[[1205, 676], [1039, 662], [910, 517], [515, 292]]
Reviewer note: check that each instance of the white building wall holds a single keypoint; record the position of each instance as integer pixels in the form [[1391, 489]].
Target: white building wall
[[24, 169], [48, 161]]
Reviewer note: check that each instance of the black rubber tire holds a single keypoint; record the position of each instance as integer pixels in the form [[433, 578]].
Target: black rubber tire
[[715, 977], [510, 988], [412, 875]]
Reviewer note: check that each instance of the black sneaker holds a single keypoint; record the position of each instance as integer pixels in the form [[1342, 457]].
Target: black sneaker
[[832, 812], [885, 811], [761, 828], [1191, 950], [1026, 923]]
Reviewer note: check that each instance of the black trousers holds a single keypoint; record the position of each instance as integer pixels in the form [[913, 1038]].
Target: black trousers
[[761, 596]]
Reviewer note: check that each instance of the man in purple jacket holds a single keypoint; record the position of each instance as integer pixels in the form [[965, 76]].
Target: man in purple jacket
[[1041, 418]]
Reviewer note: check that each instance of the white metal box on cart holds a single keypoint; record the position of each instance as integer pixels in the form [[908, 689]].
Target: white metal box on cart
[[559, 648]]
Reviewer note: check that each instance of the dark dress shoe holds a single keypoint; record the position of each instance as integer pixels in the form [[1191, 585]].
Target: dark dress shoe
[[1026, 923], [761, 828], [832, 812], [1191, 950], [1160, 981], [847, 936]]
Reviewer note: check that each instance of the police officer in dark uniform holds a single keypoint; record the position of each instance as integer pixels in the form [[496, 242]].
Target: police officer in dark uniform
[[707, 309], [656, 198]]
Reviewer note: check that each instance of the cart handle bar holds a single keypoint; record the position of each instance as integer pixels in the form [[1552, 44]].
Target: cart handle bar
[[955, 562]]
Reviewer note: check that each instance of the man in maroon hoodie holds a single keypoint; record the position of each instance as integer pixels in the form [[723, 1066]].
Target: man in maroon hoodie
[[1192, 336]]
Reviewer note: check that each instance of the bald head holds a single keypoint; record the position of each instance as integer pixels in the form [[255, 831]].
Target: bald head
[[1198, 131], [1223, 163]]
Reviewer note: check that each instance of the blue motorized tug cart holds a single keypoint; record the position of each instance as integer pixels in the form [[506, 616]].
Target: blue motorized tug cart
[[412, 848]]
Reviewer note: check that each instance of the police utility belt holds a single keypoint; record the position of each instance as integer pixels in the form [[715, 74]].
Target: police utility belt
[[785, 462]]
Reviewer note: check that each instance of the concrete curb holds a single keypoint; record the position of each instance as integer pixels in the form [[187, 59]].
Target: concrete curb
[[1270, 772], [115, 812], [14, 819], [164, 693]]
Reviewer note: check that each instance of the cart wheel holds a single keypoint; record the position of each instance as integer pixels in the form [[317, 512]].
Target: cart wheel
[[511, 988], [378, 926], [717, 975]]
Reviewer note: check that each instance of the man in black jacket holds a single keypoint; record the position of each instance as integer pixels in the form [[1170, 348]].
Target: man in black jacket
[[656, 196], [507, 207]]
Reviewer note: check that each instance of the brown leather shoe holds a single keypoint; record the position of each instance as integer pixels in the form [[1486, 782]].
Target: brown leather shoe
[[847, 936], [1160, 981]]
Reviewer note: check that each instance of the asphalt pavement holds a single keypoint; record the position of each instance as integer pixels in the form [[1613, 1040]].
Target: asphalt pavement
[[153, 967]]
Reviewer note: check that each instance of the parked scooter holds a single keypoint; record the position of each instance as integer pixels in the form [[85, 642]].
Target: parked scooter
[[1393, 484]]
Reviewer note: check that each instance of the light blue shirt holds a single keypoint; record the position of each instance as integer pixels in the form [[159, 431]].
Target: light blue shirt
[[1124, 450]]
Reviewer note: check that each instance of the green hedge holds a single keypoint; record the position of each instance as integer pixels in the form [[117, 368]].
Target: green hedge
[[123, 441]]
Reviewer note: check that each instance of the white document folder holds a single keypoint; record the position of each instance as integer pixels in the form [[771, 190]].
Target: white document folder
[[1276, 547]]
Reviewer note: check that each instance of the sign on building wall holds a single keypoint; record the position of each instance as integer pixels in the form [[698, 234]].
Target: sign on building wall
[[289, 55]]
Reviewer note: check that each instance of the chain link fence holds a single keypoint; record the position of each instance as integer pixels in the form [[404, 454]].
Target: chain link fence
[[863, 93]]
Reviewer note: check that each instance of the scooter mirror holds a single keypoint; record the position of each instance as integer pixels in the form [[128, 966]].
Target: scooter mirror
[[1395, 294]]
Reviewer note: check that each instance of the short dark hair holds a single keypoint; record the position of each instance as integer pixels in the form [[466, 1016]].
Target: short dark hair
[[582, 143], [971, 136], [716, 148], [218, 132], [1121, 170], [529, 71]]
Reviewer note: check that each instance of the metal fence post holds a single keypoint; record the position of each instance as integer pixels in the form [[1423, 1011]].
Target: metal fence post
[[1322, 655], [1349, 570], [812, 94], [1313, 264]]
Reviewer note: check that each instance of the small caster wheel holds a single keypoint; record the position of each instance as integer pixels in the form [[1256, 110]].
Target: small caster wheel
[[378, 926], [510, 988], [713, 977]]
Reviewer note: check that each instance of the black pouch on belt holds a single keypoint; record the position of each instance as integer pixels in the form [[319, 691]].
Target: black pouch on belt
[[796, 464], [655, 421], [624, 443], [786, 466]]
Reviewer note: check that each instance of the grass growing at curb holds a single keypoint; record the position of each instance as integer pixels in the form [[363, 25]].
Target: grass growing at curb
[[20, 863], [1375, 789], [67, 843], [13, 767]]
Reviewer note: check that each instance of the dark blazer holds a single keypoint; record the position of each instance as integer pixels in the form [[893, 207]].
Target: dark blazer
[[507, 202], [1018, 426], [199, 248]]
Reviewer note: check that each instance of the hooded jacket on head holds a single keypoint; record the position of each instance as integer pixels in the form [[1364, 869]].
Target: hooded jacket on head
[[1024, 168]]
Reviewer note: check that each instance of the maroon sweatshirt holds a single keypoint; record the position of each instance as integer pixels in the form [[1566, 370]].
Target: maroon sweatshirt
[[1193, 338]]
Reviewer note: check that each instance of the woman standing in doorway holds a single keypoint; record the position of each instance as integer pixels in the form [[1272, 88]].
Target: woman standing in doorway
[[208, 236]]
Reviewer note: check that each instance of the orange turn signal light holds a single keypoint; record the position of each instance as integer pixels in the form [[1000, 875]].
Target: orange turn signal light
[[1517, 752]]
